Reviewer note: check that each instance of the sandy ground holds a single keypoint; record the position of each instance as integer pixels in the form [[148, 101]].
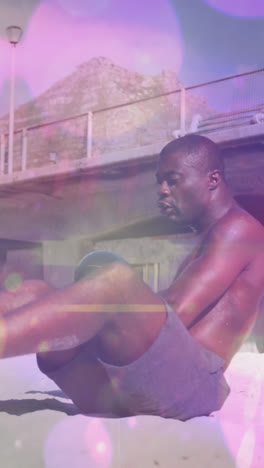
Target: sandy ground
[[40, 427]]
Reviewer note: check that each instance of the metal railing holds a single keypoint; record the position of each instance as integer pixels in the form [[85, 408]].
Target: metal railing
[[21, 137], [206, 107]]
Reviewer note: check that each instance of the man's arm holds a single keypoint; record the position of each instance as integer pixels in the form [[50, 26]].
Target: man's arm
[[227, 252]]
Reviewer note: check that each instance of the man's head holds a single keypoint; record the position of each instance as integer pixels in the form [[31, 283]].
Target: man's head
[[190, 172]]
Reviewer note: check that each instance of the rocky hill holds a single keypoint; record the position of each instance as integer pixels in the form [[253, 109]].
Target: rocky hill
[[96, 84]]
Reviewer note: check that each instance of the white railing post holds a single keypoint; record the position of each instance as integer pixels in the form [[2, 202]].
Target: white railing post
[[11, 112], [89, 134], [146, 273], [24, 149], [156, 277], [183, 111], [2, 154]]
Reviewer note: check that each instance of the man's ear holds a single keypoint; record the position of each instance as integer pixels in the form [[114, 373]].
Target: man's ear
[[215, 178]]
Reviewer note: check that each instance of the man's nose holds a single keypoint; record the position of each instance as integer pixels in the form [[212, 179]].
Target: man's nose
[[163, 189]]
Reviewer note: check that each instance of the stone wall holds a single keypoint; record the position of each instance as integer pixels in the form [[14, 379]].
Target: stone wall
[[167, 252], [61, 258], [244, 168]]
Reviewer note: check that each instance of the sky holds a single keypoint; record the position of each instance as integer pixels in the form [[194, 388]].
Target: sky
[[202, 40]]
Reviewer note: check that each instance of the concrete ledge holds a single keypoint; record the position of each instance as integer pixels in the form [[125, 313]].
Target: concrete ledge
[[235, 134], [127, 155], [84, 164]]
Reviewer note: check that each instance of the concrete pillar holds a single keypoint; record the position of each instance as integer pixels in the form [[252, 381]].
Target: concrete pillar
[[19, 264], [60, 259]]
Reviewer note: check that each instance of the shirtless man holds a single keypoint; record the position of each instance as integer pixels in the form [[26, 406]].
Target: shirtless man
[[116, 347]]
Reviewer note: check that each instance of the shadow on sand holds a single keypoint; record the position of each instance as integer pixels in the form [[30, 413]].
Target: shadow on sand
[[24, 406], [55, 393]]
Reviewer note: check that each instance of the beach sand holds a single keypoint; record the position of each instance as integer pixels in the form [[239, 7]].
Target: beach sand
[[41, 427]]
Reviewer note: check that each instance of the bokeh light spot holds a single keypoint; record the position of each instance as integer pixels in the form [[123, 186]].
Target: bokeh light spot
[[191, 308], [82, 8], [3, 336], [13, 282], [242, 8], [33, 321], [43, 347], [81, 441], [246, 450], [98, 444], [112, 339], [144, 58], [115, 383], [18, 444], [132, 422], [100, 447]]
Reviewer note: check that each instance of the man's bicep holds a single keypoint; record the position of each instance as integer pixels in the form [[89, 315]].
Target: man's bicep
[[205, 280]]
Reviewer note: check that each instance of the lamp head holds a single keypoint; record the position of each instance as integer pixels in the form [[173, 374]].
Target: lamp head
[[14, 34]]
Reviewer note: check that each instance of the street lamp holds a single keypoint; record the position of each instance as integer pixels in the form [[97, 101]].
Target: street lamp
[[14, 34]]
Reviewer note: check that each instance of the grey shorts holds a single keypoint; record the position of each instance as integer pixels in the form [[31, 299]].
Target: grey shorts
[[175, 378]]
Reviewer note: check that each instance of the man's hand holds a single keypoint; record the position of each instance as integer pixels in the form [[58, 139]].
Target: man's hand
[[26, 292]]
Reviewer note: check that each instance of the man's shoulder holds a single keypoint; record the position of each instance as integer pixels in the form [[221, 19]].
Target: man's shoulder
[[237, 225]]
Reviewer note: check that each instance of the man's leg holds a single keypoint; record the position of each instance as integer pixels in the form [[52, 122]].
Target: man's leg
[[77, 371], [113, 305], [80, 376], [89, 265]]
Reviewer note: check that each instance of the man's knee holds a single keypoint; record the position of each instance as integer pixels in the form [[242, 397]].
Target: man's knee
[[103, 261]]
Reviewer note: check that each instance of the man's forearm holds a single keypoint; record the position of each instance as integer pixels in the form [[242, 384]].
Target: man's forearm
[[188, 315]]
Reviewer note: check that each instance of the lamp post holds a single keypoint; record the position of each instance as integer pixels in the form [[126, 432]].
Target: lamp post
[[14, 34]]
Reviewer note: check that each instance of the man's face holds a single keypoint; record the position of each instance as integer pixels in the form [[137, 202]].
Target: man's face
[[183, 189]]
